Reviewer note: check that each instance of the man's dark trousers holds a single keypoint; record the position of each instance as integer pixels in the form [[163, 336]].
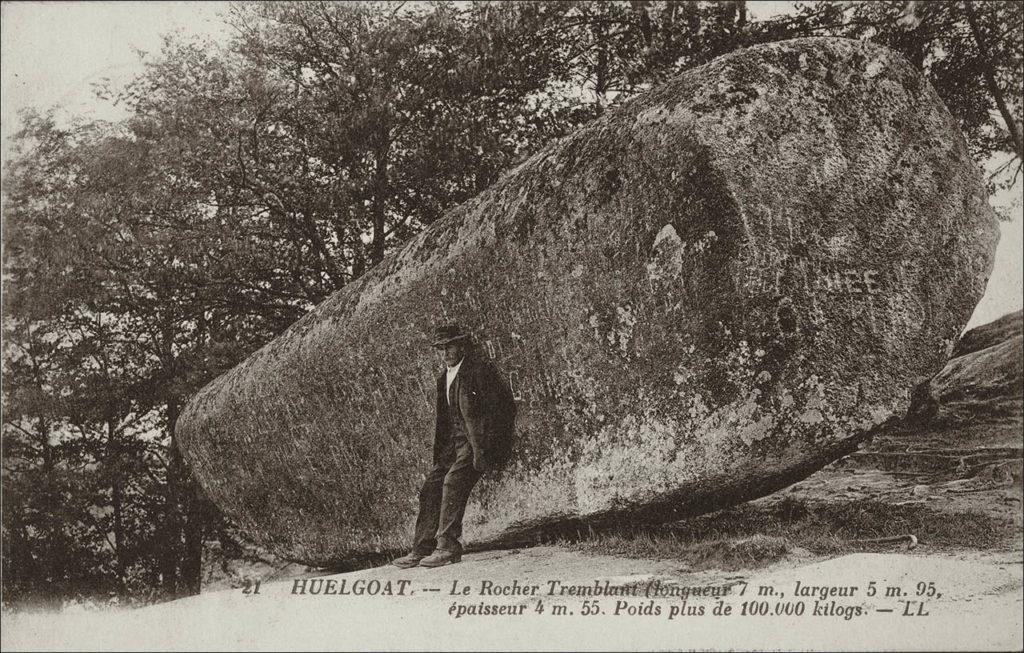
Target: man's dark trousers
[[446, 490]]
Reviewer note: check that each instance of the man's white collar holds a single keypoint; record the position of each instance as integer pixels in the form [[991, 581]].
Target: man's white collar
[[450, 376], [454, 369]]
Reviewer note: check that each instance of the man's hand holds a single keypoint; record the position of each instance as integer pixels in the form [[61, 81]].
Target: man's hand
[[479, 464]]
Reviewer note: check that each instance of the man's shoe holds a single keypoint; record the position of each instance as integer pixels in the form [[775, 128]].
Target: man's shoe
[[440, 558], [408, 561]]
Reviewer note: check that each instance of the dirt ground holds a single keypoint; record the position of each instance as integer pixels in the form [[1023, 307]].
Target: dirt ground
[[962, 601]]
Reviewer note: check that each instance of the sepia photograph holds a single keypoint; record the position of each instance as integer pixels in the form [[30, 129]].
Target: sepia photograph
[[495, 325]]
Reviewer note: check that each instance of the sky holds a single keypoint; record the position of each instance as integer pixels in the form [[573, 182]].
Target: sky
[[52, 53]]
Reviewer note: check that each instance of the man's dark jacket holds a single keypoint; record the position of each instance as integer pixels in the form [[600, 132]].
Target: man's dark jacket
[[487, 408]]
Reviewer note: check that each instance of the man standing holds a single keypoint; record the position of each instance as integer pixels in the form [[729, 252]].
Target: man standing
[[473, 433]]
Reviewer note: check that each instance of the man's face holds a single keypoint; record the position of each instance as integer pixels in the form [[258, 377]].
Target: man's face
[[452, 353]]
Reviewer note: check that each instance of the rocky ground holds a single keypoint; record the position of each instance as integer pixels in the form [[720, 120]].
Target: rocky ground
[[960, 449], [949, 476]]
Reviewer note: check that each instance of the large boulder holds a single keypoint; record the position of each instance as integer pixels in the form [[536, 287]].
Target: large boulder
[[704, 296]]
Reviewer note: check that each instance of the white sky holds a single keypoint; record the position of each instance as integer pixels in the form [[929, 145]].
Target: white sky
[[52, 52]]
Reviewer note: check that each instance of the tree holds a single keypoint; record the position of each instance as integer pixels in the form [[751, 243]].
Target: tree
[[94, 268], [398, 112]]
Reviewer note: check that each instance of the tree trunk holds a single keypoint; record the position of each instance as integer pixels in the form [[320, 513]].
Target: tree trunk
[[186, 520], [116, 501], [358, 260], [19, 565], [691, 16], [992, 85], [668, 19], [194, 522], [380, 183], [170, 540], [601, 69], [43, 433], [643, 18]]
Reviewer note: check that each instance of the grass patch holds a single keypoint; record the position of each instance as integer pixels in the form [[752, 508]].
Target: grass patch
[[751, 536]]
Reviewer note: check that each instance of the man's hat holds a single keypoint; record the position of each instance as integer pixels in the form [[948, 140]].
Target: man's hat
[[448, 333]]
